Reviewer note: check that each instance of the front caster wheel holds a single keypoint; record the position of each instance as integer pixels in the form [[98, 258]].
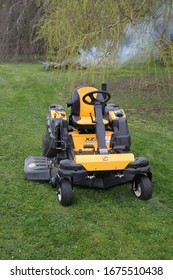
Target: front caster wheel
[[142, 187], [65, 193]]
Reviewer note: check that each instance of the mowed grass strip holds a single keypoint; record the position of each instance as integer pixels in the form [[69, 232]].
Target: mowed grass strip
[[110, 224]]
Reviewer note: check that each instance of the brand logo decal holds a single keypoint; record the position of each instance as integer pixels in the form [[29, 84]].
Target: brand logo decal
[[90, 139], [105, 158]]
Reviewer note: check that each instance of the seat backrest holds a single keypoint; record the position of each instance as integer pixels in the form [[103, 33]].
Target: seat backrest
[[79, 108]]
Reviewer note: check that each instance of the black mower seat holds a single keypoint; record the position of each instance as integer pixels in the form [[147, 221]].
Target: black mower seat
[[83, 115]]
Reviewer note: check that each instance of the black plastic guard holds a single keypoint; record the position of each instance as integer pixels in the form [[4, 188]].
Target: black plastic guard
[[139, 166], [37, 168], [68, 168]]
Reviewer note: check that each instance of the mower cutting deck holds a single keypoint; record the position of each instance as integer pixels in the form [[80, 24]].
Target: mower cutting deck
[[89, 148]]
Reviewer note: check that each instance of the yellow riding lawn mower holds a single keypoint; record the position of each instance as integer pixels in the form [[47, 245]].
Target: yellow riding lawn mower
[[90, 148]]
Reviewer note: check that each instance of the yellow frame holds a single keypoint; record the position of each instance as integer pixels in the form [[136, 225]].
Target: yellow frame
[[105, 162]]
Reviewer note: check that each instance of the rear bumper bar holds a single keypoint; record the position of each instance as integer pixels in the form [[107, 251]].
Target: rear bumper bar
[[69, 168]]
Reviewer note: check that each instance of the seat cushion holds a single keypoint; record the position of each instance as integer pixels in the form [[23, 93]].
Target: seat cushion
[[79, 108], [85, 120], [81, 112]]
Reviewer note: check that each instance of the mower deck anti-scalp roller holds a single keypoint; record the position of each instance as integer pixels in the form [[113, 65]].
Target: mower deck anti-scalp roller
[[90, 147]]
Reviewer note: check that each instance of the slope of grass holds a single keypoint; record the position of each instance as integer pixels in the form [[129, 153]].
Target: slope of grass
[[110, 224]]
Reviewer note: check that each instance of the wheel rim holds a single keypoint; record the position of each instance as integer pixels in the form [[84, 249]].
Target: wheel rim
[[137, 189], [59, 194]]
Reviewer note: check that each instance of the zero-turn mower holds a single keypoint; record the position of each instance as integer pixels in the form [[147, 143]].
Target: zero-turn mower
[[90, 148]]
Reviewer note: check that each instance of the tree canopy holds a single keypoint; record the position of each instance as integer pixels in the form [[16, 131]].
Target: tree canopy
[[17, 19], [63, 29], [69, 26]]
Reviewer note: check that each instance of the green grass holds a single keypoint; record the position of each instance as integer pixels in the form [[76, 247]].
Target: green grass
[[110, 224]]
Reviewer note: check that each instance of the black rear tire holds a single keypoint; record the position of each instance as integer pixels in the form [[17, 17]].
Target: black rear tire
[[47, 150], [65, 193], [142, 187]]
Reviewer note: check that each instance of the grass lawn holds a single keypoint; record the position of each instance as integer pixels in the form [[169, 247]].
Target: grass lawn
[[110, 224]]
